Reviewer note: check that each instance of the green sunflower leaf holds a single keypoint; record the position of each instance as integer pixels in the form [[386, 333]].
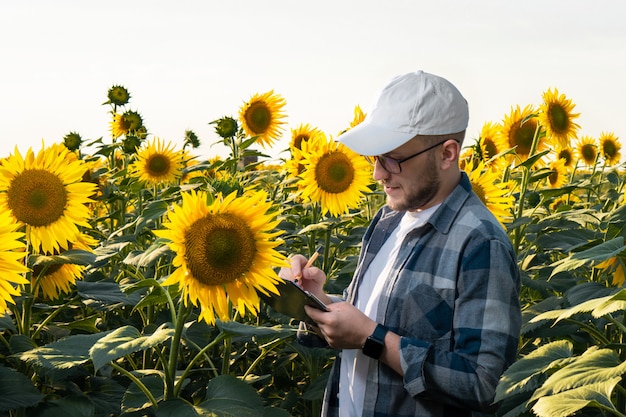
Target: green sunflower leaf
[[595, 366], [63, 354], [234, 328], [177, 407], [568, 403], [16, 390], [76, 257], [527, 374], [228, 396], [72, 405], [143, 258], [124, 341], [530, 162], [154, 211], [597, 307], [598, 253], [105, 295], [135, 399], [6, 323], [565, 240]]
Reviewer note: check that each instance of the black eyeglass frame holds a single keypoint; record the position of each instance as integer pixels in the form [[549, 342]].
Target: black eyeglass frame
[[381, 158]]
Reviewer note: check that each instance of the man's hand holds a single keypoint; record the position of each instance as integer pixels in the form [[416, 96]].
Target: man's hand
[[311, 278], [344, 326]]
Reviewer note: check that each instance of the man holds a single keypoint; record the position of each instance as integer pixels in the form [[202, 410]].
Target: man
[[432, 316]]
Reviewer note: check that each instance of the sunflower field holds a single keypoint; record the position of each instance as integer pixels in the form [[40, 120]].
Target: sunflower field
[[132, 270]]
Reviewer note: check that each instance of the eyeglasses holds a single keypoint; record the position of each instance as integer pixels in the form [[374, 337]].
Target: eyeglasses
[[393, 166]]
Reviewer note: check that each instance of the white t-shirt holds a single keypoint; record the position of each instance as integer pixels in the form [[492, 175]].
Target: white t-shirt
[[354, 363]]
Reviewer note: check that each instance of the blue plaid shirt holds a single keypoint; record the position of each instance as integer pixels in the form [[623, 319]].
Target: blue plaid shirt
[[453, 297]]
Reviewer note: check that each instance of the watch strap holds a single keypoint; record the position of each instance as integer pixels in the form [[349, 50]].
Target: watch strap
[[379, 333]]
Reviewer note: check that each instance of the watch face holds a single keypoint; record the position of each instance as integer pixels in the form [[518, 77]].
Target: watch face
[[375, 343], [373, 348]]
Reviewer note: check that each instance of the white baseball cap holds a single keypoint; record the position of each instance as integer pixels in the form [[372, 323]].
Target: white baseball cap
[[417, 103]]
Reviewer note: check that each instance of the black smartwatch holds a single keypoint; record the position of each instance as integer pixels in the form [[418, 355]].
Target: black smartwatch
[[375, 343]]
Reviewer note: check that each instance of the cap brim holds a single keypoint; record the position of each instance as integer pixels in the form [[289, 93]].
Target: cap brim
[[369, 140]]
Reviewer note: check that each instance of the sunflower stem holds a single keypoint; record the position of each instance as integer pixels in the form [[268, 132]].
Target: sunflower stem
[[315, 219], [227, 351], [172, 364], [326, 259], [51, 316], [593, 175], [621, 398], [202, 352], [138, 382], [524, 185], [27, 310], [5, 342], [264, 351]]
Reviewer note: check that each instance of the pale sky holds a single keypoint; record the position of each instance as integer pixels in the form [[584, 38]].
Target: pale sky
[[187, 63]]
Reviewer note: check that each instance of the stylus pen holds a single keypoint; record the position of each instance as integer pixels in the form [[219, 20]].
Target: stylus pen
[[309, 263]]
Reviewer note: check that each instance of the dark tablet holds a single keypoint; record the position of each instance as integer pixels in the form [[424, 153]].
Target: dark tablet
[[292, 299]]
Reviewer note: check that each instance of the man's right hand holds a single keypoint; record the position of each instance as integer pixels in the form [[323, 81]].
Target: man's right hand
[[311, 278]]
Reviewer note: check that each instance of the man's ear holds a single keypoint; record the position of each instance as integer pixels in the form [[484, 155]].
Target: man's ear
[[450, 153]]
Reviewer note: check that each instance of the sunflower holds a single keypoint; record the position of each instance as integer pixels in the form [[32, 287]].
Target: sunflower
[[568, 155], [334, 176], [489, 146], [564, 202], [303, 133], [610, 148], [493, 192], [293, 166], [615, 267], [558, 173], [46, 192], [72, 141], [557, 118], [359, 116], [518, 131], [588, 150], [190, 171], [468, 156], [118, 126], [225, 250], [12, 250], [118, 95], [59, 278], [226, 127], [261, 117], [191, 139], [129, 121], [158, 164]]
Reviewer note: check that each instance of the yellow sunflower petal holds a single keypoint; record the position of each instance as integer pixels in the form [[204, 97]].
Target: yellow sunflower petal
[[12, 251], [60, 278], [493, 192], [559, 174]]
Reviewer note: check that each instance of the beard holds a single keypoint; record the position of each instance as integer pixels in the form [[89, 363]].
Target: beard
[[421, 192]]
